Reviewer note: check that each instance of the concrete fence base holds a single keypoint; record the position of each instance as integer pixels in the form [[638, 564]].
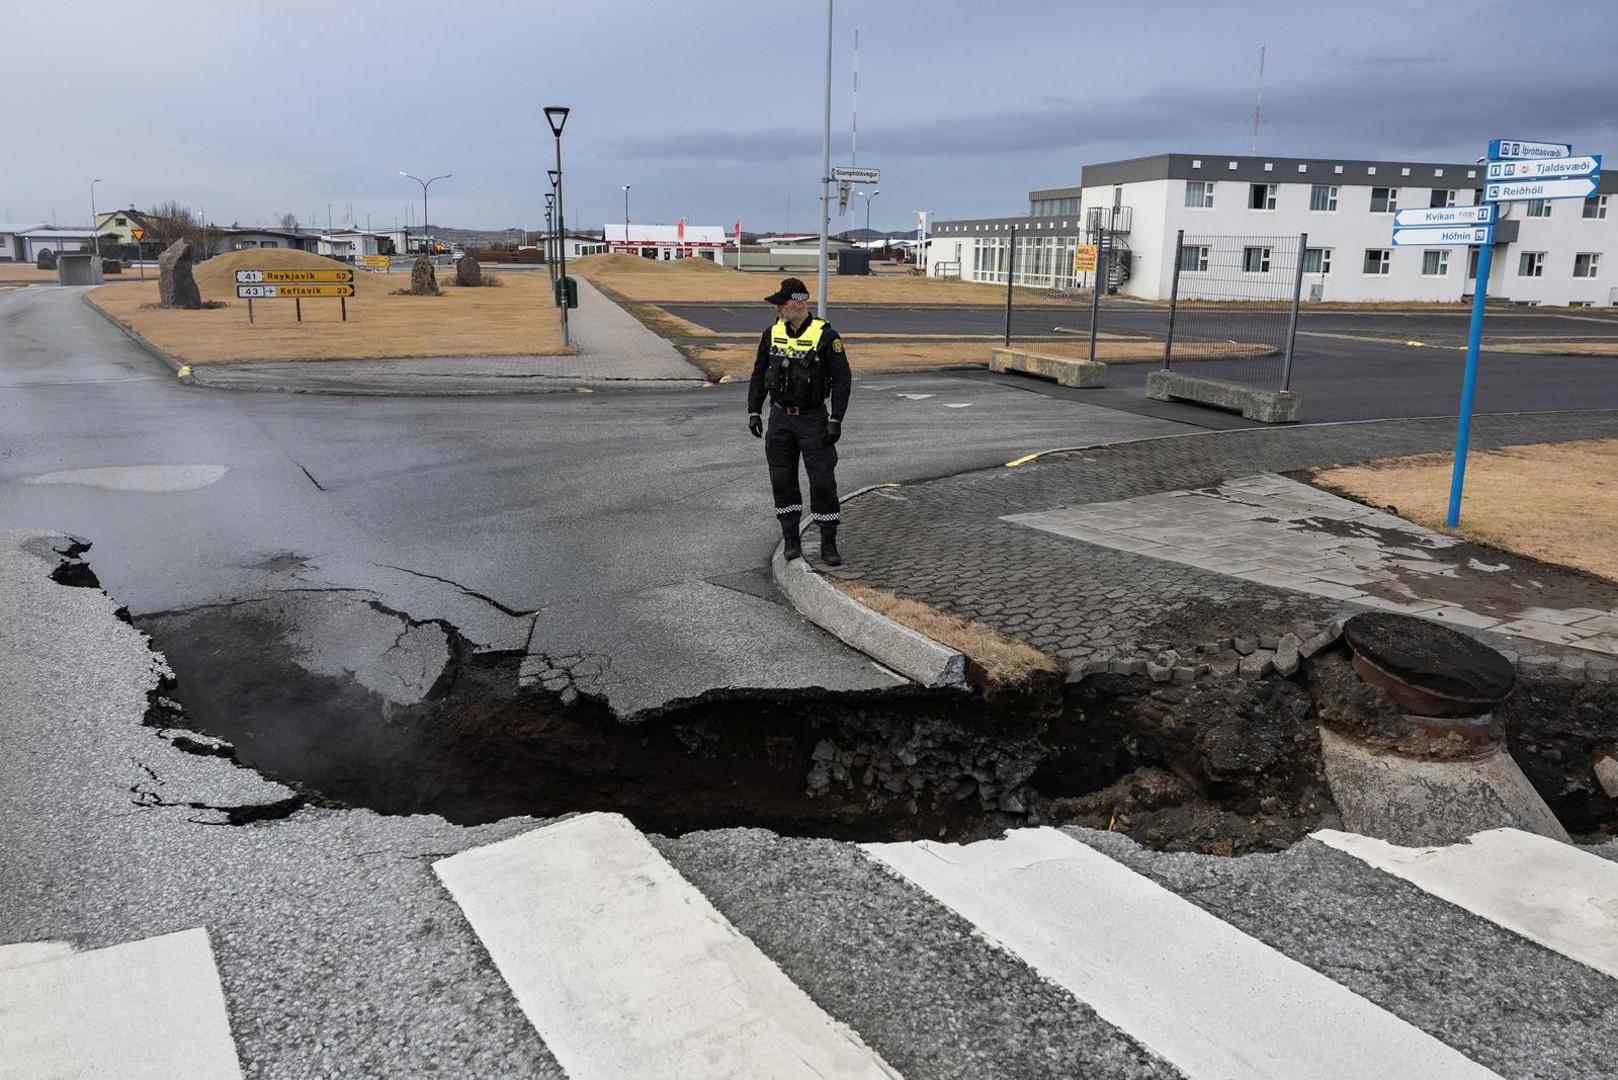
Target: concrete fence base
[[1066, 370], [1265, 406]]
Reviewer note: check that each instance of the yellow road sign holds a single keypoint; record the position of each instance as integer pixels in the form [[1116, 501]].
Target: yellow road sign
[[138, 234], [291, 292], [292, 277], [377, 260], [1084, 259]]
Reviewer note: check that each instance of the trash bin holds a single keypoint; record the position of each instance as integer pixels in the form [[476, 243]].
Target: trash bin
[[854, 261], [572, 290]]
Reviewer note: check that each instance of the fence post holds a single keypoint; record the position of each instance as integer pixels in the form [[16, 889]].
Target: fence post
[[1292, 322], [1174, 298], [1011, 270], [1099, 275]]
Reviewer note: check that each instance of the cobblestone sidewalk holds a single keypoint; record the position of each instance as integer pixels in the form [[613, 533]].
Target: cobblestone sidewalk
[[948, 543]]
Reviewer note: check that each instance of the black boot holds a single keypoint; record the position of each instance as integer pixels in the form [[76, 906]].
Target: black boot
[[828, 546], [794, 546]]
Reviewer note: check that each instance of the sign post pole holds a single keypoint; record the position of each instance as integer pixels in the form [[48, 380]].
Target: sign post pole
[[249, 311], [1095, 298], [1463, 430], [1011, 270]]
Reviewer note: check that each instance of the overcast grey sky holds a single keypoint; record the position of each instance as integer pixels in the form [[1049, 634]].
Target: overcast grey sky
[[710, 109]]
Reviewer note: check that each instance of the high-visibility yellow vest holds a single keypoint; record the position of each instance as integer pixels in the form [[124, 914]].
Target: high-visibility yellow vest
[[796, 375]]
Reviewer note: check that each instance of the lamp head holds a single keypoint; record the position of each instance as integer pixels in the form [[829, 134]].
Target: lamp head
[[556, 116], [554, 175]]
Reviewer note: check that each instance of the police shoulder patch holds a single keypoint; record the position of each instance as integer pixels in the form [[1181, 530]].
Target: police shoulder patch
[[836, 344]]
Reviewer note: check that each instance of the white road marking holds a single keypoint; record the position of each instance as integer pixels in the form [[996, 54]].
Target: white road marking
[[956, 404], [1548, 892], [916, 397], [143, 1010], [626, 970], [887, 386], [1194, 990]]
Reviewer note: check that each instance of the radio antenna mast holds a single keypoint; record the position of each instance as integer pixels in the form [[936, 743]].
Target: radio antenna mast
[[1258, 107]]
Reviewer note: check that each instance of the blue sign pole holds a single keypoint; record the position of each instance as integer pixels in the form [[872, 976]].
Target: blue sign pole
[[1463, 431]]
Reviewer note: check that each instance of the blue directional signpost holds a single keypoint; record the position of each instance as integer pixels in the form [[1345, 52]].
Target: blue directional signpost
[[1518, 169]]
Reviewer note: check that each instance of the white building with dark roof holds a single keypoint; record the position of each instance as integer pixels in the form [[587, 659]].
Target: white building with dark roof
[[1560, 251]]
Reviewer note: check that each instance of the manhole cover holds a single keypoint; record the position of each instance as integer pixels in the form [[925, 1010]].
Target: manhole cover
[[1432, 670]]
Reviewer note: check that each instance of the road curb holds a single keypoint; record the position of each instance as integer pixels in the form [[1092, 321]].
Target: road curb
[[135, 336], [912, 654]]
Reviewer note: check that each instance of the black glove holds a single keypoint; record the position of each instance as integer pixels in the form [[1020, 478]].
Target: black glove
[[755, 424], [834, 431]]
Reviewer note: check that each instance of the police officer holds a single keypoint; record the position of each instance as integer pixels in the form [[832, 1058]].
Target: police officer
[[800, 363]]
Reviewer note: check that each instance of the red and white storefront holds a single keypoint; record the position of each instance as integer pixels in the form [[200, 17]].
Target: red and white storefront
[[666, 242]]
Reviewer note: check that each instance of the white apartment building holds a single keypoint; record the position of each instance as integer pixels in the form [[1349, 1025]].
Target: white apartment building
[[1552, 252]]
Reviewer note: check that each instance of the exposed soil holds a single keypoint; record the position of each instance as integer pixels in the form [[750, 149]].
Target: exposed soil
[[1221, 765]]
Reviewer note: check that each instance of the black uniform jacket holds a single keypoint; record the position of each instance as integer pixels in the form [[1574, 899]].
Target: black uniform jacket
[[831, 354]]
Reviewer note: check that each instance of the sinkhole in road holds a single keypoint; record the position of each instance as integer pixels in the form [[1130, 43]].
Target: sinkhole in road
[[429, 724]]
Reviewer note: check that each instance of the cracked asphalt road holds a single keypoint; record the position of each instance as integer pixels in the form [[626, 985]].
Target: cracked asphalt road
[[612, 525]]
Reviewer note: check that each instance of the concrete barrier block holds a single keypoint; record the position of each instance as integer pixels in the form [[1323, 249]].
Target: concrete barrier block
[[1265, 406], [1066, 370]]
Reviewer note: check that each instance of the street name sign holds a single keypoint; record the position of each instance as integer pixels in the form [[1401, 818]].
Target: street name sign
[[856, 174], [1084, 258], [1441, 236], [1514, 190], [1545, 169], [1482, 214], [292, 277], [291, 292], [1523, 148]]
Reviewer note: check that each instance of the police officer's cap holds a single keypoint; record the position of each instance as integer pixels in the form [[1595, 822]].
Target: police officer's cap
[[791, 289]]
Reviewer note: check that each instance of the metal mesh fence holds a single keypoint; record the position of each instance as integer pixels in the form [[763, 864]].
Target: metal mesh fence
[[1232, 307]]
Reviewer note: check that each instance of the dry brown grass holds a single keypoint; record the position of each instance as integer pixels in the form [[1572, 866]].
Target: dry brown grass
[[878, 353], [1551, 348], [1557, 502], [25, 272], [1006, 662], [516, 319], [629, 277]]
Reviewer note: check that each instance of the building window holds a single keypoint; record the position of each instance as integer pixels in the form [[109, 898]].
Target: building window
[[1435, 263], [1317, 260], [123, 221], [1378, 261], [1596, 207], [1199, 194], [1384, 200], [1442, 197], [1531, 264], [1538, 208], [1194, 259], [1587, 264], [1261, 196], [1255, 260], [1323, 197], [1471, 264]]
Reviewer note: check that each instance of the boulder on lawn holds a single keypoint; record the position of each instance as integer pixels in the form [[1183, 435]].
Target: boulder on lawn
[[176, 285], [46, 259], [468, 271], [423, 281], [111, 266]]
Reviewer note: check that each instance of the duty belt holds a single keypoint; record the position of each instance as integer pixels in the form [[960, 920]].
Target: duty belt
[[797, 410]]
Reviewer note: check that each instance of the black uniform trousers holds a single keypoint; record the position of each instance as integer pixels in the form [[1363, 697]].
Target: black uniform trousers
[[788, 439]]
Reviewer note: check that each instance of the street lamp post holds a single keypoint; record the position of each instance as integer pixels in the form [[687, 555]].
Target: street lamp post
[[556, 225], [425, 184], [550, 236], [556, 116], [868, 199], [95, 233], [626, 217]]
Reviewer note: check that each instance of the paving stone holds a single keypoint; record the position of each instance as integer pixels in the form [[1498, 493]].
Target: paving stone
[[1286, 653], [1258, 665], [1246, 645]]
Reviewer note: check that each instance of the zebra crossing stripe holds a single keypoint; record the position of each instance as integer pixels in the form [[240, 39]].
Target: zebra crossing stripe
[[144, 1010], [1209, 999], [1549, 892], [626, 970]]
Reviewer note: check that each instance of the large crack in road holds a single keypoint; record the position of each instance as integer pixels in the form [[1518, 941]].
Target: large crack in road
[[352, 703]]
